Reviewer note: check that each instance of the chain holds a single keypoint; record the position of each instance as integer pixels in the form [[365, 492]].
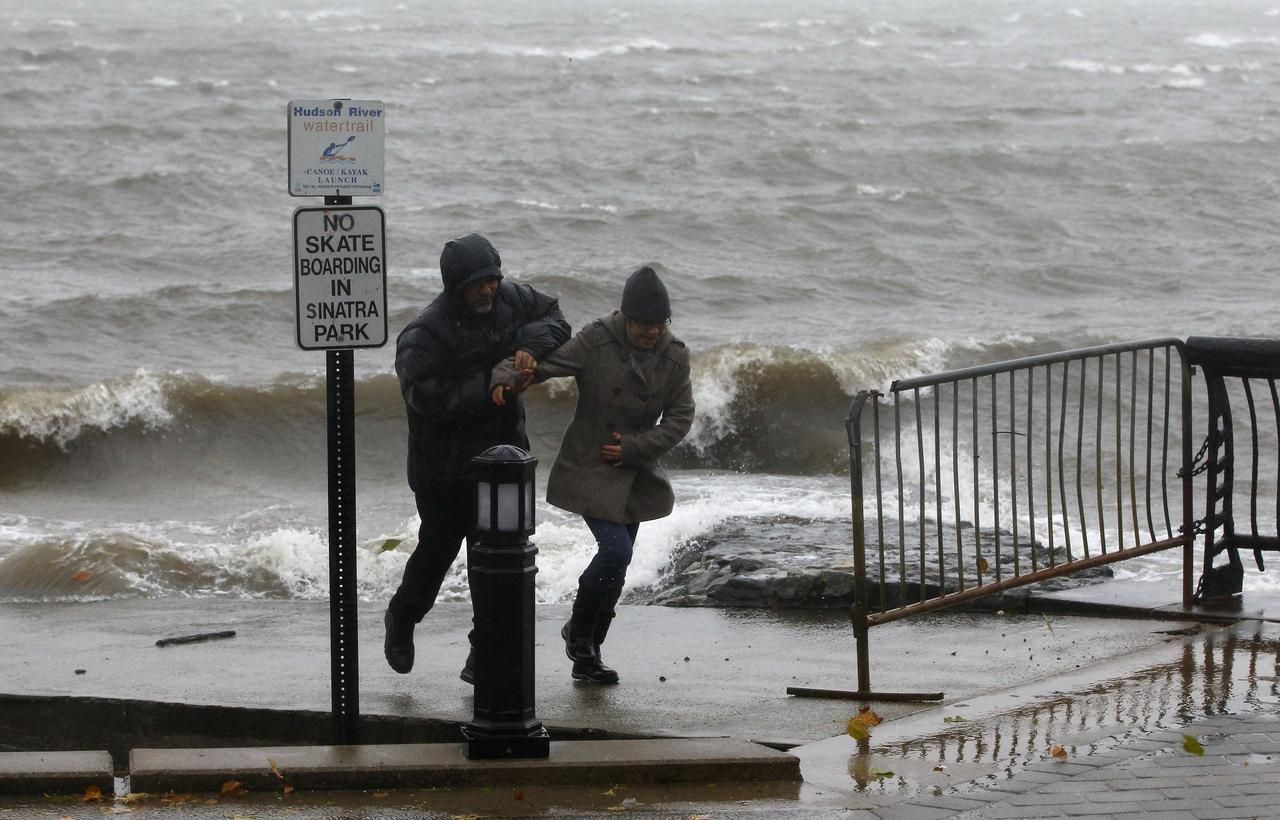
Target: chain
[[1198, 464], [1198, 527]]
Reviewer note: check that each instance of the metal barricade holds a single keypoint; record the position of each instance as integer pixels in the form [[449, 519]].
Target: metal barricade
[[994, 477]]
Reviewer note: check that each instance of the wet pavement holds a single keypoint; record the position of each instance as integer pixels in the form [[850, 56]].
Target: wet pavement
[[1044, 715]]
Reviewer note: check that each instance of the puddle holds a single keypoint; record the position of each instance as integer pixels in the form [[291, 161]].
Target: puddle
[[1224, 672]]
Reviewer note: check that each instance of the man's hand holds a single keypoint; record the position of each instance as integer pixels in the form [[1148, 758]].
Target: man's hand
[[612, 453]]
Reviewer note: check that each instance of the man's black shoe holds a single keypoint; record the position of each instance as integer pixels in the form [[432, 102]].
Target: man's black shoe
[[468, 673], [398, 645]]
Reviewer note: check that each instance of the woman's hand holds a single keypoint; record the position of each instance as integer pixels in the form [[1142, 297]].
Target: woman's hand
[[525, 364], [612, 453]]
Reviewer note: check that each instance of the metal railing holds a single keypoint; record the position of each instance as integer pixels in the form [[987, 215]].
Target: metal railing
[[1232, 368], [994, 477]]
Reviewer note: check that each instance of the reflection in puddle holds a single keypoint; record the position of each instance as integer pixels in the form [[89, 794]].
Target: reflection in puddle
[[1220, 673]]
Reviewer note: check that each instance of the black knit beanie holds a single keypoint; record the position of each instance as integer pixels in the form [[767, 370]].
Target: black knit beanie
[[644, 297]]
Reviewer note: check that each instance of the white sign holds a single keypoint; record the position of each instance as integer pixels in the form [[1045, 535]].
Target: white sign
[[336, 147], [340, 277]]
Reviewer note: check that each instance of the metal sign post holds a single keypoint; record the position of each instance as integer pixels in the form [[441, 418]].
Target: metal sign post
[[336, 151]]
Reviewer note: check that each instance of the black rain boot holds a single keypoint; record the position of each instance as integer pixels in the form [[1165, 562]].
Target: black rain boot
[[579, 640], [604, 618], [398, 644], [468, 673]]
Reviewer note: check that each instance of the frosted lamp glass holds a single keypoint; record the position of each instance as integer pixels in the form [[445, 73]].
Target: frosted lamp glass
[[508, 507]]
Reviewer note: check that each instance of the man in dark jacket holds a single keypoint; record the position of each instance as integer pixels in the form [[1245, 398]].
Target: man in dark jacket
[[443, 360]]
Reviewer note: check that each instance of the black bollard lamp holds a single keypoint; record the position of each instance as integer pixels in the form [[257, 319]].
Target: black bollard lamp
[[504, 494], [502, 567]]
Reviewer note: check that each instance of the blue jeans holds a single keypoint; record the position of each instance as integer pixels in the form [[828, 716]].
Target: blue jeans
[[614, 545]]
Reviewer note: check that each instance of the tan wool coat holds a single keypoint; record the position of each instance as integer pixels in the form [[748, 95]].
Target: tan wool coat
[[646, 396]]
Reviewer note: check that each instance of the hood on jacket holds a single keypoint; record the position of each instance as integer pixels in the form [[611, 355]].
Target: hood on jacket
[[467, 260]]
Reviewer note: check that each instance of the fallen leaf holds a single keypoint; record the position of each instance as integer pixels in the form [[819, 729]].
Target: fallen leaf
[[882, 774], [939, 768], [134, 797], [859, 726], [983, 566], [82, 576], [381, 795], [91, 793], [1057, 752], [954, 719], [232, 788], [275, 769], [1192, 746], [178, 799], [390, 544], [611, 791], [518, 794]]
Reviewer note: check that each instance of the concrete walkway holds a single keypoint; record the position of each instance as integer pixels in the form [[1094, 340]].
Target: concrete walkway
[[1044, 715], [1235, 774]]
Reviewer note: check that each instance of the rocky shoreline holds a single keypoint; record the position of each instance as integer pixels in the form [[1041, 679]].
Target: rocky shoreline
[[794, 563]]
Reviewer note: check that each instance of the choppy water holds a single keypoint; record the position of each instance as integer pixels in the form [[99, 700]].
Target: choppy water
[[837, 194]]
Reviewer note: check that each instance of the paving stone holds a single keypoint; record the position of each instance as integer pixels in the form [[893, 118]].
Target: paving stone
[[1130, 796], [1110, 810], [1209, 791], [1039, 798], [1004, 811], [1126, 783], [1221, 813], [1237, 801], [1220, 779], [946, 802], [912, 811]]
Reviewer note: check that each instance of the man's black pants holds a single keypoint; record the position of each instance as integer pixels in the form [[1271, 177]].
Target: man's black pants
[[447, 513]]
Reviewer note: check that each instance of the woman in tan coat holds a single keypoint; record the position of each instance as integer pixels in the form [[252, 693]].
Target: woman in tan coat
[[635, 402]]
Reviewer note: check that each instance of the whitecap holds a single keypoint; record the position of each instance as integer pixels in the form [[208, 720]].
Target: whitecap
[[163, 82], [1190, 83], [617, 50], [1211, 39], [1090, 67]]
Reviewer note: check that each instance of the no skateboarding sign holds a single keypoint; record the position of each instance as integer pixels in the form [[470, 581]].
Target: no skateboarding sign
[[340, 277]]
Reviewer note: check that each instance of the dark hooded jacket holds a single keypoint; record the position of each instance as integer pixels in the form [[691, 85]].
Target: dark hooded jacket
[[443, 360]]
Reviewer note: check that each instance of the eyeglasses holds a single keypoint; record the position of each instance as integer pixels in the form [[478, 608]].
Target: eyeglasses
[[650, 325]]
